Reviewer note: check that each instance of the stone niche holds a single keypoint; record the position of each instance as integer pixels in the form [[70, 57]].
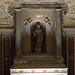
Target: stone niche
[[38, 38], [31, 36]]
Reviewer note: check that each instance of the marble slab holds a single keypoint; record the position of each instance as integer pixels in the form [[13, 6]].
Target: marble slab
[[43, 71]]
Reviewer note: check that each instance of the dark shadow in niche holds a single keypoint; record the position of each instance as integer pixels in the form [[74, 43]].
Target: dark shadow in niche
[[34, 28]]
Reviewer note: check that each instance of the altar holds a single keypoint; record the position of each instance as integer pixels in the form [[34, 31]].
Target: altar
[[38, 38]]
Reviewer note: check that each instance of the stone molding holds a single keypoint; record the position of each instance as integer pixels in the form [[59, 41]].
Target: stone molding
[[6, 32], [58, 5], [46, 70]]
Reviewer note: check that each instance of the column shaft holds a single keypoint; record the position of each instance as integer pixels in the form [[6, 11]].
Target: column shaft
[[58, 33], [18, 34]]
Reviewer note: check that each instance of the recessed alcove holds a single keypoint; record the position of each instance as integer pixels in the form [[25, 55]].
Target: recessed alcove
[[46, 18], [38, 38], [42, 38]]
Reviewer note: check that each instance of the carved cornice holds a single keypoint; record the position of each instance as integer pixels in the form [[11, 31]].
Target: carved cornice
[[38, 5], [45, 5]]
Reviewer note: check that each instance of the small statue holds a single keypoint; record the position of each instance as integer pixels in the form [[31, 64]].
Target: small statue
[[38, 33]]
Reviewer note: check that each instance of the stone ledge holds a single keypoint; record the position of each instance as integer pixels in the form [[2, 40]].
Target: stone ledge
[[40, 70], [38, 65]]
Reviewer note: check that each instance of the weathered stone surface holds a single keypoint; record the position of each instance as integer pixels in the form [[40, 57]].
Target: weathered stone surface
[[69, 18], [6, 19], [4, 16]]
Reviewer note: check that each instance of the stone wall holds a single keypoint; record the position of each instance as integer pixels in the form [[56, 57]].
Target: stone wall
[[7, 20]]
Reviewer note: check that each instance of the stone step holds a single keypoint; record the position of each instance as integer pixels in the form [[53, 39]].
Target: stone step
[[38, 56]]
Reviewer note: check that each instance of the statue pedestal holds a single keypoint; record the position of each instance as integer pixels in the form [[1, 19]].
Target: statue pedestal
[[38, 64], [37, 50]]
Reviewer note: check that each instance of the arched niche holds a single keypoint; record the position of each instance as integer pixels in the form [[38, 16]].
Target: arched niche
[[30, 41], [33, 27]]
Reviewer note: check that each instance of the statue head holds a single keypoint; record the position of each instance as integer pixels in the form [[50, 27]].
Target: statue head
[[38, 25]]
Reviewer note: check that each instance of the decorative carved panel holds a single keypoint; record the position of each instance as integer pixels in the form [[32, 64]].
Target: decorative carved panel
[[71, 55], [7, 52]]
